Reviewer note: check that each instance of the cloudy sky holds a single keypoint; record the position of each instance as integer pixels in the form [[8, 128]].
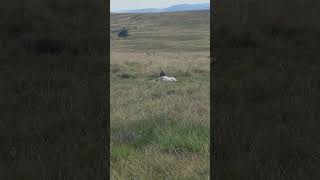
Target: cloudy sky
[[116, 5]]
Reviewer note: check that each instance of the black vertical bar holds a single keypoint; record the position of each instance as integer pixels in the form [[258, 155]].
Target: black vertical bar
[[107, 140]]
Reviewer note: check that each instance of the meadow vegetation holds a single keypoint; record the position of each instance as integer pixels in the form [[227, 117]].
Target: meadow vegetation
[[160, 131]]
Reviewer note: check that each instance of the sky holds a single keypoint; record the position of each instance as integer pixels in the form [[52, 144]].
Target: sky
[[118, 5]]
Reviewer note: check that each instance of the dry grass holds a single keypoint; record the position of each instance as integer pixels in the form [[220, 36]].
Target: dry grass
[[159, 130]]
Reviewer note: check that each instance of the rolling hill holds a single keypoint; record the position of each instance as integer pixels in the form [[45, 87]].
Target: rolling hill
[[174, 8]]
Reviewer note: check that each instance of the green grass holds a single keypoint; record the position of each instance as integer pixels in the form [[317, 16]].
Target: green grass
[[168, 135], [160, 131], [164, 117]]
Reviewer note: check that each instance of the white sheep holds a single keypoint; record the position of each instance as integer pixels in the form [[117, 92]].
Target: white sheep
[[164, 78]]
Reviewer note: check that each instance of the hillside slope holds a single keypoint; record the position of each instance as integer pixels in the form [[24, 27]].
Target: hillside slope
[[173, 8], [148, 31]]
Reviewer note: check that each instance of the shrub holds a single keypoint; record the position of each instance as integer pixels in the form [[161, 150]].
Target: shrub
[[123, 33]]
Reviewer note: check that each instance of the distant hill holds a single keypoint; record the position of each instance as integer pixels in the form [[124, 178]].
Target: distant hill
[[174, 8]]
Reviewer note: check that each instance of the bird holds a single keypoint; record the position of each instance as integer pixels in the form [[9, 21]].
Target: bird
[[162, 73]]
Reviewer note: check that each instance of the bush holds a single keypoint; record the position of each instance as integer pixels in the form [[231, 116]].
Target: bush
[[123, 33]]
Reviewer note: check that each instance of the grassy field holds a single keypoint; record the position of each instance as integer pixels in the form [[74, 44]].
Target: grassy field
[[160, 131]]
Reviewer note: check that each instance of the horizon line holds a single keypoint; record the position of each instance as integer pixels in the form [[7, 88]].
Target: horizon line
[[123, 10]]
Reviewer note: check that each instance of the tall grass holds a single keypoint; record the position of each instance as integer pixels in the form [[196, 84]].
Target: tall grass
[[157, 128]]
